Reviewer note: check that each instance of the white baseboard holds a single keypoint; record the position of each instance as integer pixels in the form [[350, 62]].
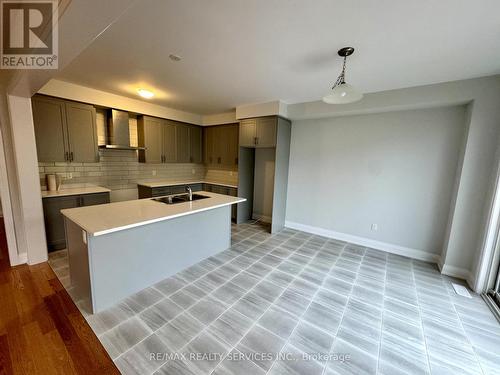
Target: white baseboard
[[384, 246], [21, 259], [263, 218], [460, 273]]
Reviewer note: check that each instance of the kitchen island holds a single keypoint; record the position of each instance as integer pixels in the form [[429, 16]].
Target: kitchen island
[[118, 249]]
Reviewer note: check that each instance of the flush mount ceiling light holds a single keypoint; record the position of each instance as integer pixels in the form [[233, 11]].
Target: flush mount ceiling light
[[145, 93], [342, 92]]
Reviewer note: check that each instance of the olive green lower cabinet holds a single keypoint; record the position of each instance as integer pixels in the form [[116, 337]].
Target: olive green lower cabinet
[[148, 191], [54, 222], [152, 190]]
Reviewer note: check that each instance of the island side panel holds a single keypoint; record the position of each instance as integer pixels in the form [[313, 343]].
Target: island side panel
[[128, 261], [78, 257]]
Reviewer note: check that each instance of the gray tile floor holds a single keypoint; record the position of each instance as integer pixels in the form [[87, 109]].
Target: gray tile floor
[[260, 306]]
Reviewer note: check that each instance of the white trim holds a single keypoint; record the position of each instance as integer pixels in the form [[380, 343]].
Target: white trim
[[384, 246], [7, 214], [22, 259], [263, 218], [460, 273], [483, 272]]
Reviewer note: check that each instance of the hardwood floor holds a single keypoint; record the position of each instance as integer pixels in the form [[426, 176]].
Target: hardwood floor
[[41, 329]]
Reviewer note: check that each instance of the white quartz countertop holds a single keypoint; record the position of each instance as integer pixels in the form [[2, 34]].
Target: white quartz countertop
[[113, 217], [160, 183], [74, 191]]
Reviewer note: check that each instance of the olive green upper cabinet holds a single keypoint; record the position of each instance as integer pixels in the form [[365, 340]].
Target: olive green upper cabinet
[[82, 134], [150, 136], [49, 118], [208, 145], [221, 145], [169, 141], [233, 137], [247, 132], [258, 132], [182, 138], [64, 131], [195, 144]]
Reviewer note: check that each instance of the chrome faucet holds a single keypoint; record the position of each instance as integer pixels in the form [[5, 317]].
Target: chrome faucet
[[190, 192]]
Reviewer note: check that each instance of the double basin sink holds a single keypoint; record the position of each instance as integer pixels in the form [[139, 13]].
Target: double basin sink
[[181, 198]]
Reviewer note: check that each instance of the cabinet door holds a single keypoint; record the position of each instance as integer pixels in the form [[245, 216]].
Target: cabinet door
[[195, 144], [182, 144], [49, 119], [94, 199], [208, 145], [149, 134], [248, 132], [161, 191], [266, 131], [82, 133], [233, 139], [54, 222], [169, 141], [221, 145]]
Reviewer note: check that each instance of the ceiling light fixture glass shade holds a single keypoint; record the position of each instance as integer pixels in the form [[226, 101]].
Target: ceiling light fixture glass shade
[[342, 92], [145, 93]]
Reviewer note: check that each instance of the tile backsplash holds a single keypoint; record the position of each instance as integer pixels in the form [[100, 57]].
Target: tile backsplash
[[120, 169]]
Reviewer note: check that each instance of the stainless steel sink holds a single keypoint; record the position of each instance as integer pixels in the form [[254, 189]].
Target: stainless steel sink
[[173, 199]]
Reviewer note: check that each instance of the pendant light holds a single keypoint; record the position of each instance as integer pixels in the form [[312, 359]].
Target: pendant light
[[342, 92]]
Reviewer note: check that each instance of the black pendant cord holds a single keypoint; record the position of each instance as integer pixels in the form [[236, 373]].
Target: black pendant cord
[[341, 79]]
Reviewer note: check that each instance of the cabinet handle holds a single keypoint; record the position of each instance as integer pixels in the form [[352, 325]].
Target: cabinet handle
[[66, 156], [236, 161], [218, 160], [71, 156], [190, 159]]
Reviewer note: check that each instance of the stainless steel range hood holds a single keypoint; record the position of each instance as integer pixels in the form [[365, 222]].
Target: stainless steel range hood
[[118, 132]]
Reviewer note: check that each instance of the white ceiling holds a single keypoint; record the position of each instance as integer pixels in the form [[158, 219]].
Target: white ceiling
[[238, 52]]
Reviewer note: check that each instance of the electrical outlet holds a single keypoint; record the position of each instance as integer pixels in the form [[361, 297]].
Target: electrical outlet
[[374, 227], [69, 175], [153, 172], [231, 173], [193, 171]]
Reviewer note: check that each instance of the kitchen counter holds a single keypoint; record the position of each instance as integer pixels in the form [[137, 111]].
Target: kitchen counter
[[113, 217], [118, 249], [160, 183], [74, 191]]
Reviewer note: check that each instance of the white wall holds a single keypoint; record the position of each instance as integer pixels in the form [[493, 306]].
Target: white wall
[[263, 183], [396, 170], [475, 184], [276, 107]]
